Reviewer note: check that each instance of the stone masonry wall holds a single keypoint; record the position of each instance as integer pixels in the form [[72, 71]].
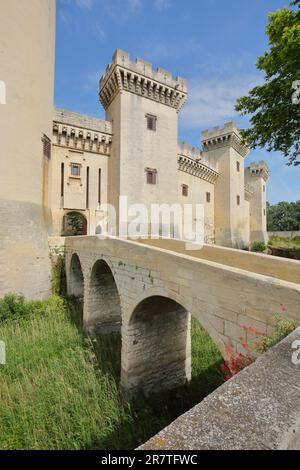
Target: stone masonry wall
[[222, 298], [159, 334], [259, 409], [103, 303]]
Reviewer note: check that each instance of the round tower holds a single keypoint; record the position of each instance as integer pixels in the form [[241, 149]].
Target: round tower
[[27, 43]]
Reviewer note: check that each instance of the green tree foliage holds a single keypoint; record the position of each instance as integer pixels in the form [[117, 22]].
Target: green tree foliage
[[275, 119], [75, 221], [258, 247], [284, 216]]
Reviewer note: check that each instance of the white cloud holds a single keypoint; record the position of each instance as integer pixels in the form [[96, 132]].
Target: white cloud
[[157, 49], [91, 80], [64, 17], [212, 101], [98, 31], [162, 4], [84, 4], [121, 10], [134, 5]]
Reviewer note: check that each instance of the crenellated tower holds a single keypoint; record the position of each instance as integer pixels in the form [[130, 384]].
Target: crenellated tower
[[225, 147], [143, 105], [256, 177]]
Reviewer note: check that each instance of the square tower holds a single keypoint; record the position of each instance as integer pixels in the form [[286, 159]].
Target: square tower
[[225, 147], [143, 105], [256, 177]]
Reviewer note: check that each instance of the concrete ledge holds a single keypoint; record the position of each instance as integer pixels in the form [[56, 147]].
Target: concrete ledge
[[279, 268], [295, 233], [258, 409]]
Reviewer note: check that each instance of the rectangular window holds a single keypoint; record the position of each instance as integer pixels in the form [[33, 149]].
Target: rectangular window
[[151, 176], [46, 146], [238, 166], [99, 187], [207, 197], [62, 180], [238, 200], [264, 188], [87, 187], [185, 190], [75, 169], [151, 122]]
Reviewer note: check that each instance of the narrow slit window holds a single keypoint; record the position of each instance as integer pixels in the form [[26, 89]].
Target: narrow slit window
[[238, 200], [208, 197], [62, 180], [46, 146], [87, 187], [99, 186]]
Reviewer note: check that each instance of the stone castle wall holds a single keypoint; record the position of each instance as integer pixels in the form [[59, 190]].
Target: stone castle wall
[[27, 41]]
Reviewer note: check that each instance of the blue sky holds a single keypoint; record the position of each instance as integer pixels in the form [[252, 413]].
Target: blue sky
[[212, 43]]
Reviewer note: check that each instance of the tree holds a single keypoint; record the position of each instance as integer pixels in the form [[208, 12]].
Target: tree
[[284, 216], [275, 116], [76, 222]]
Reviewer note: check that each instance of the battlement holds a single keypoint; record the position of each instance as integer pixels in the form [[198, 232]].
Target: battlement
[[82, 133], [139, 77], [227, 136], [193, 152], [259, 169], [83, 121], [192, 160], [218, 132], [196, 154]]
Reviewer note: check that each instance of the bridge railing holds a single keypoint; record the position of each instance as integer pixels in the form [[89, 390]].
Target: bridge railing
[[280, 268]]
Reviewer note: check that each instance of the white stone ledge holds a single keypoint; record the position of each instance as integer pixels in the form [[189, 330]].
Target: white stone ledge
[[258, 409]]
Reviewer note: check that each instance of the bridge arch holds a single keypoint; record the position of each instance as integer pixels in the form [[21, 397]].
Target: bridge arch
[[76, 278], [156, 350], [102, 304], [156, 342]]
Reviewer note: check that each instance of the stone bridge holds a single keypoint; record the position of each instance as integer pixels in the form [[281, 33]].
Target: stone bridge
[[148, 290]]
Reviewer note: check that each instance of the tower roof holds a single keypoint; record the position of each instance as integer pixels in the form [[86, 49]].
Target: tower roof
[[138, 77], [227, 136]]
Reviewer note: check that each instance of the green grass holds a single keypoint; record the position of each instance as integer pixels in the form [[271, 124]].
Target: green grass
[[59, 390], [290, 246], [285, 242]]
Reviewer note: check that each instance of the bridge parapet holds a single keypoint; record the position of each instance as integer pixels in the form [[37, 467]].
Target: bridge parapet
[[258, 409]]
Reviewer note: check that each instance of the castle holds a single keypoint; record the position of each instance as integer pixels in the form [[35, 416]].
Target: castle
[[55, 163]]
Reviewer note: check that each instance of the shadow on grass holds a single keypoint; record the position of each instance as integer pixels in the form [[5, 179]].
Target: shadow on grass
[[149, 415], [142, 417]]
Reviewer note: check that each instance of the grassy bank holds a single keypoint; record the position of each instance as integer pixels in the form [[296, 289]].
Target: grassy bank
[[59, 390], [285, 242], [286, 247]]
